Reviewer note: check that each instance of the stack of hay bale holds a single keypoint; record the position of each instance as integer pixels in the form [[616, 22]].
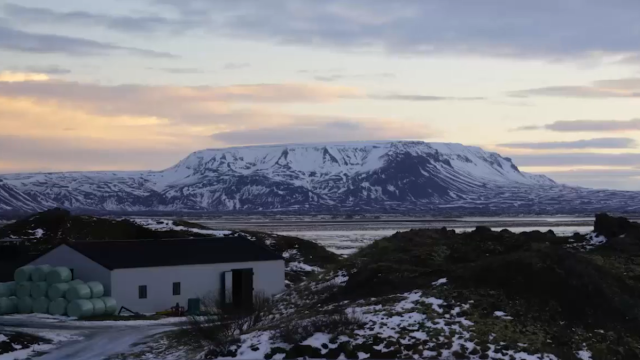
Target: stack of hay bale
[[49, 290]]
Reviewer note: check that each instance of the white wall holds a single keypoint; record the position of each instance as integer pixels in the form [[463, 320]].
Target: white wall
[[195, 281], [84, 268]]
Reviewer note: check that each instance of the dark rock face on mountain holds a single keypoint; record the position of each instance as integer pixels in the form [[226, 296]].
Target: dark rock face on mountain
[[432, 178]]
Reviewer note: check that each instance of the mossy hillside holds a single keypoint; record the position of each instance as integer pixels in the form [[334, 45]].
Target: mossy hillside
[[561, 295]]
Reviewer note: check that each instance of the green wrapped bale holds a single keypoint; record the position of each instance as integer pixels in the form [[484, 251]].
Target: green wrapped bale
[[7, 289], [77, 292], [25, 305], [97, 290], [14, 300], [23, 273], [75, 282], [58, 307], [40, 272], [7, 306], [58, 274], [80, 308], [38, 289], [110, 305], [57, 291], [41, 305], [98, 307], [23, 289]]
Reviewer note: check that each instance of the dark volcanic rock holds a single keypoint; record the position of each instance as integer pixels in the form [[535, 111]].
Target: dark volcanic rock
[[611, 227]]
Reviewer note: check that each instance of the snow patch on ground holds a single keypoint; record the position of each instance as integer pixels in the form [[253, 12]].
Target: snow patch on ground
[[166, 225], [35, 319], [502, 315], [439, 282], [298, 266], [583, 354], [55, 336]]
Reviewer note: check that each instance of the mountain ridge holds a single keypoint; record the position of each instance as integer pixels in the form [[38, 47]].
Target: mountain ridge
[[352, 176]]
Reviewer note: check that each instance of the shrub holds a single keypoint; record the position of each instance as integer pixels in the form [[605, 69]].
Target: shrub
[[219, 326], [295, 332]]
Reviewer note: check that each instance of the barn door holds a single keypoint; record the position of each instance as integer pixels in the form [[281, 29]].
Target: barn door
[[242, 289]]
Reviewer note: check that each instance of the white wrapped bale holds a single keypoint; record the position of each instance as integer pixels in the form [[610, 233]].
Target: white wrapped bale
[[58, 307], [75, 282], [98, 307], [41, 305], [7, 289], [23, 273], [58, 274], [97, 290], [80, 308], [25, 305], [110, 305], [7, 306], [38, 289], [57, 291], [40, 272], [23, 289], [76, 292]]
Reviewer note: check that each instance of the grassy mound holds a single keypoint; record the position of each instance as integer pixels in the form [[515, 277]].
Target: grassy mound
[[477, 295]]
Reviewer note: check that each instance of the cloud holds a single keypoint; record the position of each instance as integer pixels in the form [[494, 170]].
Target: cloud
[[413, 97], [196, 104], [528, 127], [575, 159], [236, 66], [22, 41], [616, 88], [183, 71], [12, 76], [340, 77], [48, 70], [130, 24], [600, 143], [580, 28], [620, 179], [74, 153], [102, 121], [309, 130], [588, 126]]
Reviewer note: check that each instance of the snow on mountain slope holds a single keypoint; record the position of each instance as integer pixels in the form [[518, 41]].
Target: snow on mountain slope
[[359, 175], [14, 200]]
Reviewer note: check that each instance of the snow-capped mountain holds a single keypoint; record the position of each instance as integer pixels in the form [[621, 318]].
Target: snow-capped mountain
[[314, 177]]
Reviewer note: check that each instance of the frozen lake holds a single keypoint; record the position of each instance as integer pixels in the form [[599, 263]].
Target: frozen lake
[[346, 236]]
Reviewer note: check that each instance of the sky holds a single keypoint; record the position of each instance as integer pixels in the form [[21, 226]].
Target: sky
[[139, 84]]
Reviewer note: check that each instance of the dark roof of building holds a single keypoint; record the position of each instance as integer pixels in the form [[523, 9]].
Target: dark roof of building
[[127, 254]]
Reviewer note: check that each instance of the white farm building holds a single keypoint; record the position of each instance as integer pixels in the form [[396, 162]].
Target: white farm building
[[148, 276]]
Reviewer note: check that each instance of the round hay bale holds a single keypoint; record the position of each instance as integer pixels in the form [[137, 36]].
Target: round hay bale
[[58, 274], [97, 290], [110, 305], [23, 273], [41, 305], [38, 289], [58, 307], [39, 273], [23, 289], [80, 308], [8, 306], [25, 305], [76, 282], [98, 307], [7, 289], [76, 292], [14, 300], [57, 291]]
